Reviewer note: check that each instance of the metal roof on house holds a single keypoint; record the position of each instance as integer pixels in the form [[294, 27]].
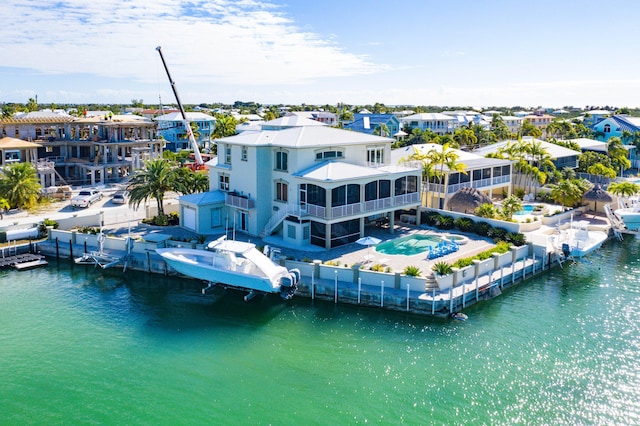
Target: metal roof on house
[[555, 151], [290, 121], [302, 137], [428, 116], [470, 159], [204, 198], [191, 116], [594, 145], [337, 171]]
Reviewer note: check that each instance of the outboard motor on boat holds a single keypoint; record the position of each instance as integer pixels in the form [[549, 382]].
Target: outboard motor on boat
[[566, 250], [289, 284]]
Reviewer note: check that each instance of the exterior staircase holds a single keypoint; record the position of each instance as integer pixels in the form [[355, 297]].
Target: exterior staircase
[[431, 283], [277, 218]]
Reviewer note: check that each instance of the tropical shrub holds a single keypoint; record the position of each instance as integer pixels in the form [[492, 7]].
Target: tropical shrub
[[482, 228], [464, 224], [463, 263], [497, 234], [444, 222], [430, 217], [412, 271], [487, 210], [51, 222], [442, 268], [377, 267], [516, 239]]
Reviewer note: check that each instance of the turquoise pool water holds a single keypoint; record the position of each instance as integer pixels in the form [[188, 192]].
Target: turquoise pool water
[[408, 246], [525, 210]]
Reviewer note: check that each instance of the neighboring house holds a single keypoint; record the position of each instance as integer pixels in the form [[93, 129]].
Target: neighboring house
[[309, 184], [591, 118], [96, 148], [289, 121], [17, 151], [434, 121], [601, 147], [325, 117], [560, 156], [487, 175], [514, 124], [616, 126], [153, 113], [171, 128], [368, 123], [540, 121]]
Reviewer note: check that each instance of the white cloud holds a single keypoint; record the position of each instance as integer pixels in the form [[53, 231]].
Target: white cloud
[[244, 42]]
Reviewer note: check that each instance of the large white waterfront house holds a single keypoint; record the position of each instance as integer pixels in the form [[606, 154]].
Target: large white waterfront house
[[310, 184]]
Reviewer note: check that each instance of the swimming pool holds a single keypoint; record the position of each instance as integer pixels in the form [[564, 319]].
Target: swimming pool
[[525, 210], [408, 246]]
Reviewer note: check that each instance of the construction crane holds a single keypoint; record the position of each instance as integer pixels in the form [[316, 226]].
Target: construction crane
[[199, 164]]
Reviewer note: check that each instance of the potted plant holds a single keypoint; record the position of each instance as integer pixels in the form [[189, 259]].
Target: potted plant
[[444, 275]]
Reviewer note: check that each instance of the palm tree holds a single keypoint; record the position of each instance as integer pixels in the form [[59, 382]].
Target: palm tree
[[618, 154], [540, 162], [511, 205], [225, 126], [445, 157], [624, 189], [20, 186], [428, 172], [153, 181], [465, 137], [485, 210], [568, 193], [187, 181]]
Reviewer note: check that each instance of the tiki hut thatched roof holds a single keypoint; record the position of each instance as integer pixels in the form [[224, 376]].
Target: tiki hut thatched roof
[[597, 195], [466, 200]]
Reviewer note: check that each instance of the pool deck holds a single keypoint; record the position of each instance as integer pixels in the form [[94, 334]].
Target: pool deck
[[355, 254]]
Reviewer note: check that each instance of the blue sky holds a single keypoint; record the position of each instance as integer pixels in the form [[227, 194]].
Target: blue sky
[[413, 52]]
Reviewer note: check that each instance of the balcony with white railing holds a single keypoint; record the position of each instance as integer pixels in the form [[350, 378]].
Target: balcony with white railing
[[379, 204], [452, 189], [497, 180], [346, 210], [371, 206], [239, 201], [481, 183]]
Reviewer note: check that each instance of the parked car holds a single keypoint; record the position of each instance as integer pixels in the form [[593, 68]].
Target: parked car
[[119, 197], [86, 197]]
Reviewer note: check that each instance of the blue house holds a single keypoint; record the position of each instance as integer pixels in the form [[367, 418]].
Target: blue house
[[615, 126], [171, 128], [368, 123]]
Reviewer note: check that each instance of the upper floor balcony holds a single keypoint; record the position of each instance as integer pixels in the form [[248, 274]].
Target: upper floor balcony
[[234, 199], [366, 207]]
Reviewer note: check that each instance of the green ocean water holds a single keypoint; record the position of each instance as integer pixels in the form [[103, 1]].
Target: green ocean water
[[84, 346]]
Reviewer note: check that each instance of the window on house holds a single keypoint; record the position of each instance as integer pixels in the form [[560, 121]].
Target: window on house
[[406, 185], [375, 155], [244, 153], [282, 191], [607, 128], [223, 182], [227, 154], [291, 232], [329, 154], [282, 160]]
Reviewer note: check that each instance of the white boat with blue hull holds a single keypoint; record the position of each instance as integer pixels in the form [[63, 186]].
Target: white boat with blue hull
[[233, 264], [629, 213], [578, 241]]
